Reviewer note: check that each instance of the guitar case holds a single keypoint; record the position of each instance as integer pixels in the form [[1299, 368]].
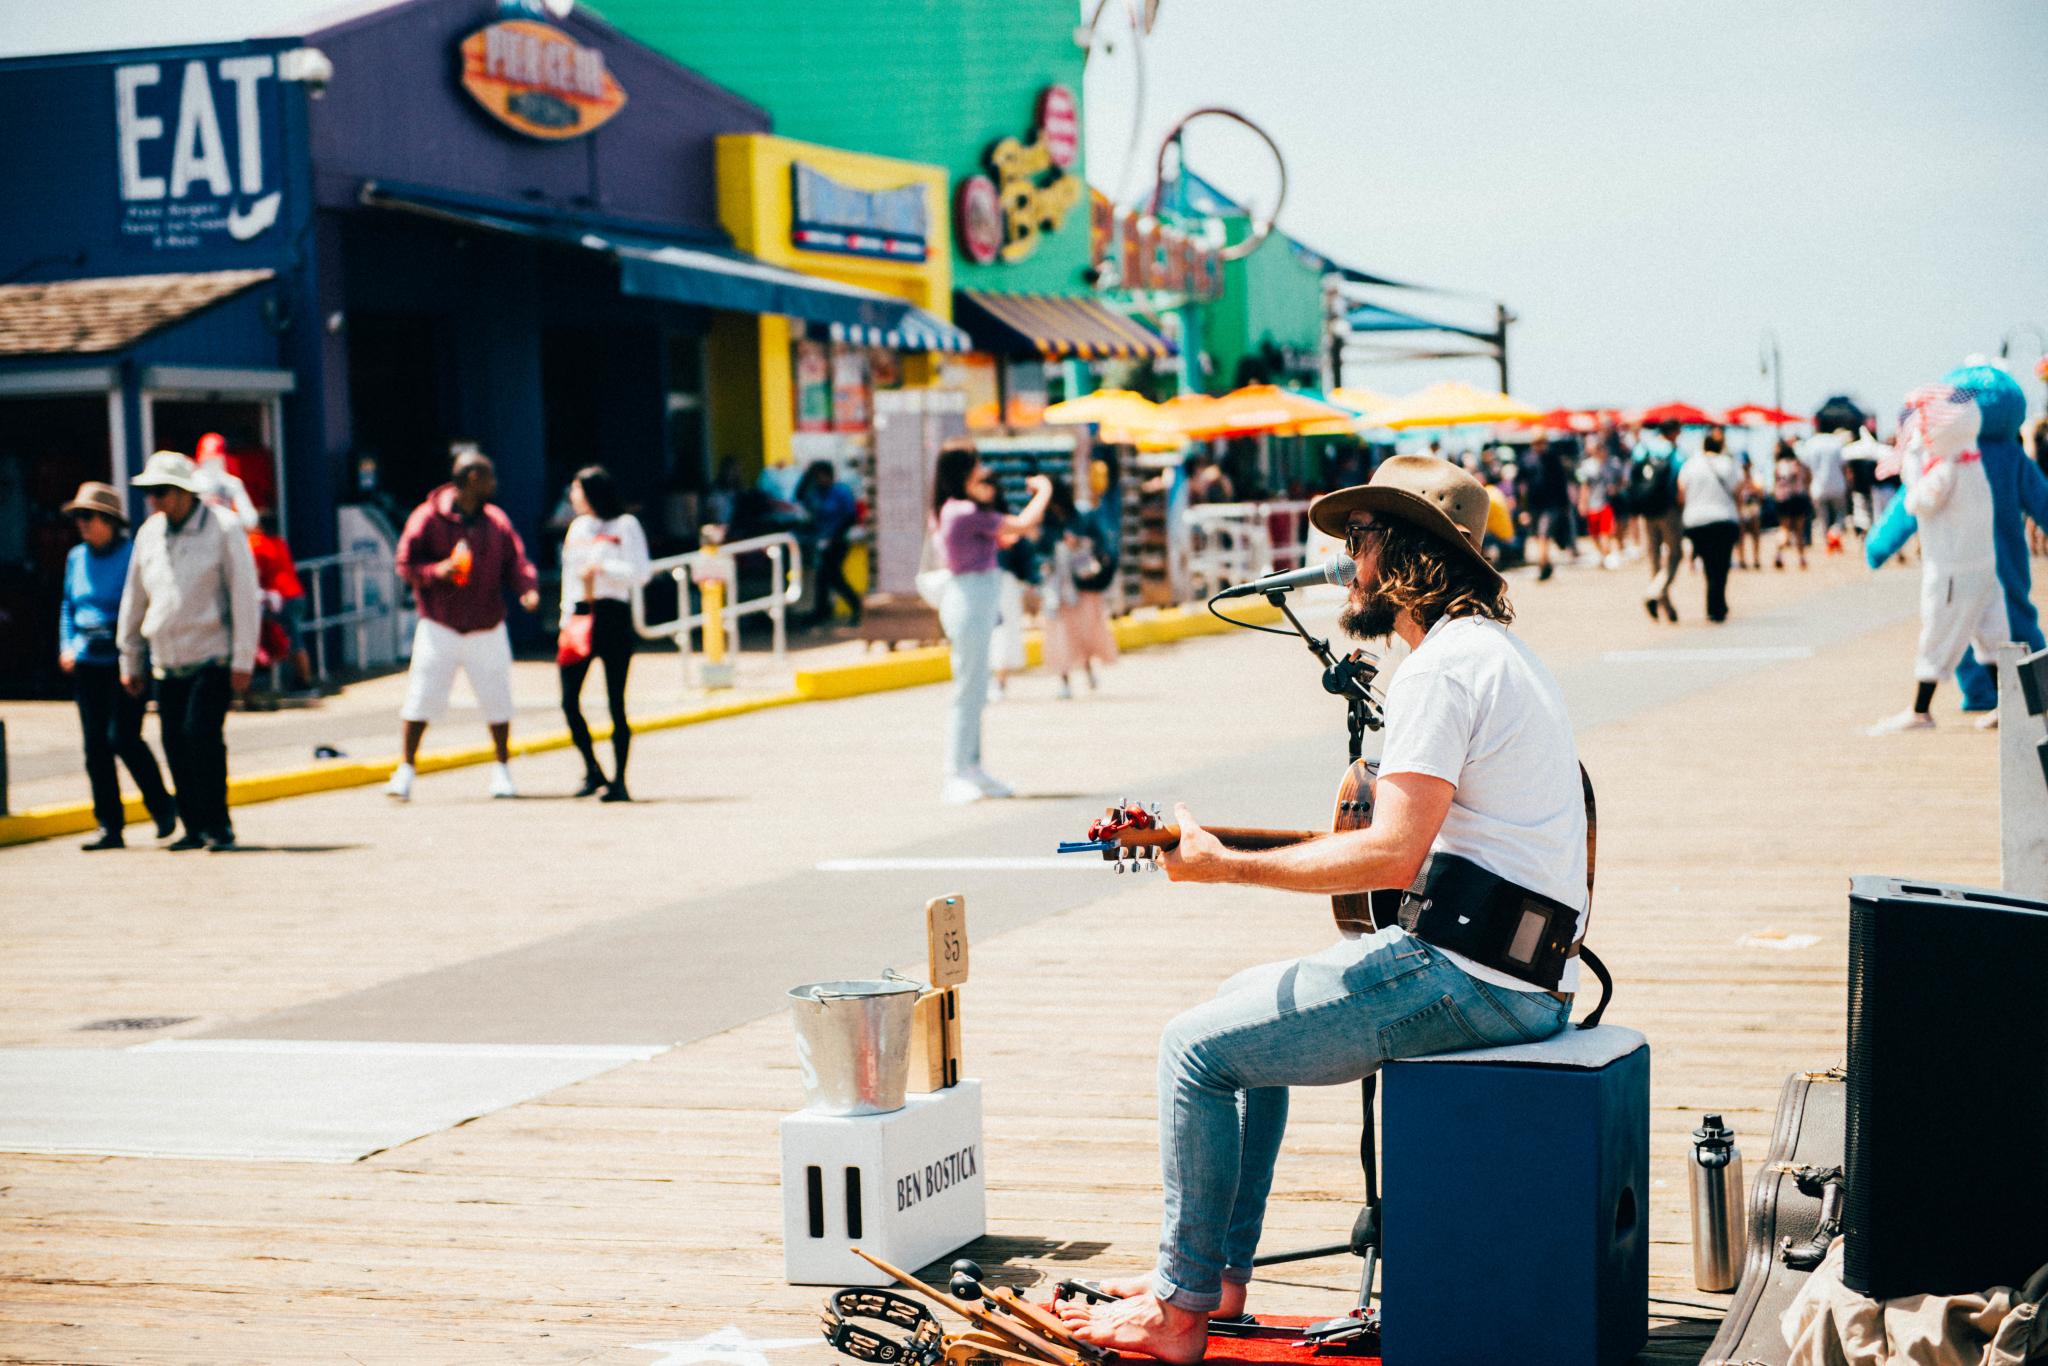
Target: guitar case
[[1809, 1134]]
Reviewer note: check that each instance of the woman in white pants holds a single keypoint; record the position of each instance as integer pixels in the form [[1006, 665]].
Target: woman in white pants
[[969, 532]]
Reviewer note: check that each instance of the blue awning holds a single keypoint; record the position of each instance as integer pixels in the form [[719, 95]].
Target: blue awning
[[1373, 318], [695, 270]]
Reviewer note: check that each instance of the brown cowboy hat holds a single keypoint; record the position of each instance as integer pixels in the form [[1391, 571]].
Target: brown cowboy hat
[[104, 499], [1433, 494]]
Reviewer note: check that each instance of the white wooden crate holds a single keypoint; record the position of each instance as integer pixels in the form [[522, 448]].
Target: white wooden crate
[[906, 1186]]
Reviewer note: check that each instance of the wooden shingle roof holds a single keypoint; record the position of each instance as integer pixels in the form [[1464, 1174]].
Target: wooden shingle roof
[[90, 317]]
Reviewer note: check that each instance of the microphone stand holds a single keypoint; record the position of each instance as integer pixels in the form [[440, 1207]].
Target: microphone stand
[[1349, 678]]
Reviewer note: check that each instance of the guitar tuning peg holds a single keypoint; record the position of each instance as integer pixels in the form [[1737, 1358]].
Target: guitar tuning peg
[[1119, 865]]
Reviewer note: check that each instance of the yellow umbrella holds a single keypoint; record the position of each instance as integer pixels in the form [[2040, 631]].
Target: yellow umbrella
[[1265, 408], [1451, 404], [1110, 407], [1360, 401], [1184, 414]]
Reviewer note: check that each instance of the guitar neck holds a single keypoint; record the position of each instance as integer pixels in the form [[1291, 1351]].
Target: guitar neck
[[1232, 837]]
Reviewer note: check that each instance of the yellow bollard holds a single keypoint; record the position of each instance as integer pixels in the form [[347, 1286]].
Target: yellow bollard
[[714, 672], [713, 593]]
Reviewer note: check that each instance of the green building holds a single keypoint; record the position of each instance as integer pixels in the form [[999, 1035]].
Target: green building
[[933, 81]]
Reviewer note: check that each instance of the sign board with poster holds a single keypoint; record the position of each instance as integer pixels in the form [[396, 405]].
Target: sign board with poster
[[199, 144], [826, 215], [813, 386], [849, 388], [537, 80]]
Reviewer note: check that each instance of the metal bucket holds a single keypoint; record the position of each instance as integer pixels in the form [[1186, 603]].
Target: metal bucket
[[853, 1039]]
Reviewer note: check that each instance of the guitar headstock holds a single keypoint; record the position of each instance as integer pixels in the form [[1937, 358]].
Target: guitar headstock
[[1119, 833]]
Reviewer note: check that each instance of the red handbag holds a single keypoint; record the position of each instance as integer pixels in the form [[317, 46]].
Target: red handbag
[[573, 645]]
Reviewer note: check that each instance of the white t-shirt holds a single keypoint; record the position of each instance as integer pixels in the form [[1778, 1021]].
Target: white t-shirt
[[1475, 706], [1708, 483], [619, 550], [1821, 453]]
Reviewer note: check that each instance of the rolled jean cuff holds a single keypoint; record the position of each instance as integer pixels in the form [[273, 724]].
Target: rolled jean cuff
[[1237, 1275], [1184, 1299]]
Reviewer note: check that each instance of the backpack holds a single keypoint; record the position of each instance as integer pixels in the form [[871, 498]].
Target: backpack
[[1649, 486]]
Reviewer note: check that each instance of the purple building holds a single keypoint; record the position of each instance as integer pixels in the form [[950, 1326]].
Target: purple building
[[345, 238]]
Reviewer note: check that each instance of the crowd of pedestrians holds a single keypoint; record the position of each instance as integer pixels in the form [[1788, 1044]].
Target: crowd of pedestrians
[[204, 589], [1666, 498]]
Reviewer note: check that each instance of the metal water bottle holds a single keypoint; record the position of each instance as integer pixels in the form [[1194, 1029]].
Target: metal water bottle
[[1718, 1226]]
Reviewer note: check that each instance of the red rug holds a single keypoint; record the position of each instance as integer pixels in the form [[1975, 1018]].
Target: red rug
[[1269, 1350], [1276, 1349]]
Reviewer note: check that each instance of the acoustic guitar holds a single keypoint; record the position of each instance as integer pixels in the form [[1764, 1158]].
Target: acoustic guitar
[[1131, 836]]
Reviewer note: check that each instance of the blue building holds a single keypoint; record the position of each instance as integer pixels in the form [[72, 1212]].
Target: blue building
[[345, 243]]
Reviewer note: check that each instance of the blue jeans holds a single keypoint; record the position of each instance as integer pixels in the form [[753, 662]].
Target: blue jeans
[[967, 611], [1329, 1018]]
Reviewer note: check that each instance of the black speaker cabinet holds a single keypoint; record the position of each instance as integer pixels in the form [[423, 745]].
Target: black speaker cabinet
[[1947, 1145]]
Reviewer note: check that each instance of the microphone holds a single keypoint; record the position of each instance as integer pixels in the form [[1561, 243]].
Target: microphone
[[1339, 570]]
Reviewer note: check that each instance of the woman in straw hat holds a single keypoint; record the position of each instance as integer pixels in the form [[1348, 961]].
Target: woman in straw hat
[[111, 719]]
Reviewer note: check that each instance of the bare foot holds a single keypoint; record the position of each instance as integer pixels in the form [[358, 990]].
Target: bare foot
[[1126, 1287], [1145, 1323]]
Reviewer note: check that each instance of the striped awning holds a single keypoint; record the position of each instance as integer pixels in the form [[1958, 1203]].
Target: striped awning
[[919, 331], [1055, 326]]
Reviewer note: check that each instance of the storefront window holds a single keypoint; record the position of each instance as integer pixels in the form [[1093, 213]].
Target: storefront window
[[1024, 393], [686, 436], [48, 447], [974, 374]]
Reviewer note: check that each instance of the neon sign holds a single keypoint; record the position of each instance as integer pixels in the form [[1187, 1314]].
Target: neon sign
[[1034, 183], [538, 80]]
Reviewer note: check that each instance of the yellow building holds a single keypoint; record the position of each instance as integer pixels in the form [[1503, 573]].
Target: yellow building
[[781, 394]]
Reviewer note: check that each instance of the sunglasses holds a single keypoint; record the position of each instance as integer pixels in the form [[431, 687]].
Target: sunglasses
[[1357, 536]]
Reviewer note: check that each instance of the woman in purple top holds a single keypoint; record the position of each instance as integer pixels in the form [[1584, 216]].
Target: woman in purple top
[[969, 533]]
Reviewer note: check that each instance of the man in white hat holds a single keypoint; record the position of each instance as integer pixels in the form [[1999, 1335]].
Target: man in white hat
[[1480, 813], [190, 612]]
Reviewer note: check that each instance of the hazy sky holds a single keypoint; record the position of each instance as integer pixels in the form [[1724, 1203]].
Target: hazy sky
[[1648, 185]]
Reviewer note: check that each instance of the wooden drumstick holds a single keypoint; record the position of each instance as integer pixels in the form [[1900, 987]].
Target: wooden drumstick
[[995, 1323]]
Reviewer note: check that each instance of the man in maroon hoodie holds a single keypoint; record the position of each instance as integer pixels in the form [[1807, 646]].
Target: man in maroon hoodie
[[460, 553]]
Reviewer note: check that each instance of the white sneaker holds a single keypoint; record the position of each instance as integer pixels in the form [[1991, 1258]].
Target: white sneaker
[[1988, 721], [501, 781], [990, 787], [1904, 721], [1066, 691], [400, 786], [960, 791], [1613, 560]]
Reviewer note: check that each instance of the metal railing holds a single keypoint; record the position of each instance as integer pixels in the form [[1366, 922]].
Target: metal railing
[[786, 588], [1238, 542], [364, 584]]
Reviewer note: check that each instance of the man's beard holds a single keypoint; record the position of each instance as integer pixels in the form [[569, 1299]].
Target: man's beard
[[1368, 615]]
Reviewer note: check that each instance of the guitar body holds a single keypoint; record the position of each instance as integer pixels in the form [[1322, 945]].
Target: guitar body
[[1355, 796]]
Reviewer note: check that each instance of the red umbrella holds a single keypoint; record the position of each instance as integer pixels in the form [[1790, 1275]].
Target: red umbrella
[[1759, 414], [1673, 412]]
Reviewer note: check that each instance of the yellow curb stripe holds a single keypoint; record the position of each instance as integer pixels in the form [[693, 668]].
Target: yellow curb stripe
[[899, 669]]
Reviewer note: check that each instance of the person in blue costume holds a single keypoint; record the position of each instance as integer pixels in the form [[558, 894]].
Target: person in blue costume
[[2018, 491]]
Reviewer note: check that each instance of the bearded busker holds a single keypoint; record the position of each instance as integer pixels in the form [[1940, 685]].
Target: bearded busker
[[1479, 798]]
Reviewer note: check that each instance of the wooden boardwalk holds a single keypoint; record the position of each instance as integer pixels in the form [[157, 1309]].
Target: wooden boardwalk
[[642, 1206]]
